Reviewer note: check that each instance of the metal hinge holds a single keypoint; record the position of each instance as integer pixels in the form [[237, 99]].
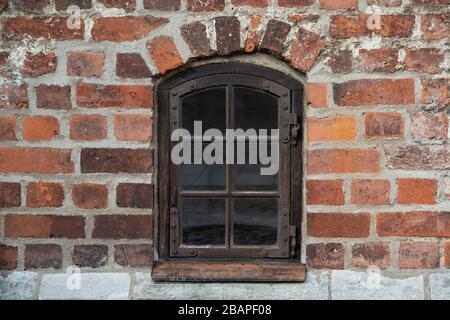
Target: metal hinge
[[292, 240], [295, 128]]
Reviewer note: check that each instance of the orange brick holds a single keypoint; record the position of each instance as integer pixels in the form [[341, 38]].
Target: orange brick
[[164, 53], [40, 128], [343, 161], [338, 128], [416, 191], [338, 4], [130, 127], [341, 225], [45, 194], [325, 192], [317, 95]]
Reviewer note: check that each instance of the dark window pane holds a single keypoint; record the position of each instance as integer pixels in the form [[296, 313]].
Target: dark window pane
[[203, 221], [248, 177], [203, 177], [255, 221], [208, 106], [255, 109]]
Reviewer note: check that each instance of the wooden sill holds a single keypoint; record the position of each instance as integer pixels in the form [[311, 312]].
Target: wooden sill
[[228, 271]]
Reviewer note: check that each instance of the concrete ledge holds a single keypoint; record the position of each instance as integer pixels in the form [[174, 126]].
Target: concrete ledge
[[18, 285], [440, 286], [91, 286]]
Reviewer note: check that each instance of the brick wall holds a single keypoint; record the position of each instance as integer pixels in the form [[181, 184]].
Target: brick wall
[[77, 110]]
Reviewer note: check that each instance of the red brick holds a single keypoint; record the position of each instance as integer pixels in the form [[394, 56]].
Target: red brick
[[45, 194], [31, 6], [446, 187], [371, 192], [131, 66], [133, 255], [425, 125], [371, 253], [341, 62], [206, 5], [338, 4], [251, 3], [338, 225], [85, 64], [35, 160], [253, 34], [379, 60], [194, 34], [164, 5], [390, 26], [88, 127], [325, 256], [435, 26], [435, 91], [10, 195], [374, 92], [38, 64], [91, 256], [413, 224], [325, 192], [125, 28], [102, 160], [128, 5], [130, 127], [13, 96], [43, 256], [44, 226], [295, 3], [317, 95], [447, 254], [425, 60], [164, 53], [343, 161], [4, 4], [228, 35], [336, 128], [429, 2], [8, 257], [62, 5], [386, 125], [37, 128], [418, 255], [53, 97], [305, 49], [385, 3], [416, 191], [6, 67], [135, 195], [8, 125], [123, 227], [275, 36], [114, 96], [51, 27], [90, 196]]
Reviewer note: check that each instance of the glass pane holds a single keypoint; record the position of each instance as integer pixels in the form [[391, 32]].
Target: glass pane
[[203, 176], [255, 221], [255, 109], [248, 177], [203, 221], [208, 106]]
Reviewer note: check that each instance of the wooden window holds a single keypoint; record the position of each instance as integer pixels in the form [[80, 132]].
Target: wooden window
[[227, 213]]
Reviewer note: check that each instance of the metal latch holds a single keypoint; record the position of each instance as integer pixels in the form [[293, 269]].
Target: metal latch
[[295, 128]]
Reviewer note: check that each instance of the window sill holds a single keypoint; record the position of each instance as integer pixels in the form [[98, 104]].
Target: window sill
[[228, 271]]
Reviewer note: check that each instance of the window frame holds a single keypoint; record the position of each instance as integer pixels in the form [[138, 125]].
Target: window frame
[[290, 91]]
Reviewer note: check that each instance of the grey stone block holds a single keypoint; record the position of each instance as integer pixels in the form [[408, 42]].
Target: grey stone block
[[314, 288], [440, 286], [18, 285], [145, 288], [352, 285], [92, 286]]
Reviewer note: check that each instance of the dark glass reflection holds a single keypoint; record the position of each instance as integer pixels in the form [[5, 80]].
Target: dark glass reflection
[[208, 106], [203, 221], [248, 177], [255, 221], [255, 109]]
